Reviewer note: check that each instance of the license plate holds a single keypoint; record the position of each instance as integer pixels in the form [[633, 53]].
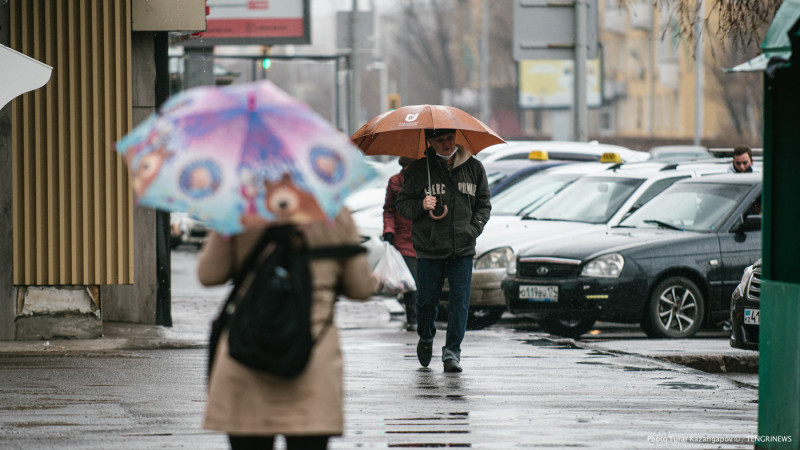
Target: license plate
[[752, 316], [539, 293]]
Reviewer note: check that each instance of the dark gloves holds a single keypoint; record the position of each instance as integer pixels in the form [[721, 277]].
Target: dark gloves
[[389, 237]]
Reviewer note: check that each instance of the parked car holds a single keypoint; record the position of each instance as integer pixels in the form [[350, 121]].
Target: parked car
[[185, 230], [561, 150], [503, 174], [374, 191], [670, 266], [676, 153], [746, 309], [562, 203]]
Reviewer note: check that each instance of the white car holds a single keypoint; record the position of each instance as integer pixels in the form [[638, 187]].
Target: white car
[[558, 150], [592, 201], [185, 230], [373, 193]]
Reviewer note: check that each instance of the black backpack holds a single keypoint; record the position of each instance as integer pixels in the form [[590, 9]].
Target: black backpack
[[269, 324]]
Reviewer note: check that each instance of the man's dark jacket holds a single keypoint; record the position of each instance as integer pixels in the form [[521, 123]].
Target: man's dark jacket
[[465, 191]]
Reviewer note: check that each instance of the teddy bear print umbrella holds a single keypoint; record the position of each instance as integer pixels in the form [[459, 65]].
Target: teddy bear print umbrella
[[242, 155]]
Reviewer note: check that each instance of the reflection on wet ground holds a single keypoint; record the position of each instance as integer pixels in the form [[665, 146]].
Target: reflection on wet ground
[[682, 385], [452, 423]]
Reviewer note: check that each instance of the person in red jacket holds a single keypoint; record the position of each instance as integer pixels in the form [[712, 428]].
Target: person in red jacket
[[397, 232]]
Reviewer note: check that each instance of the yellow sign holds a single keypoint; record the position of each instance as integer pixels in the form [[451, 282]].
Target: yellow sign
[[549, 83], [393, 102]]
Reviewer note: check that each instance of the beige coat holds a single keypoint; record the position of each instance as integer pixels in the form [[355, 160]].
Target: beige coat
[[242, 401]]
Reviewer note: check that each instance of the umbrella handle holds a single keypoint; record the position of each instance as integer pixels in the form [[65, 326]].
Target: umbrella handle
[[440, 217]]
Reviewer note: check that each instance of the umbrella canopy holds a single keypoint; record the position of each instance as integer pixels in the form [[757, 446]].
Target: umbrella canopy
[[242, 155], [402, 132]]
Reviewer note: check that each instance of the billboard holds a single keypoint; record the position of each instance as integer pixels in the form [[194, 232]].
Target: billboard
[[548, 84], [255, 22]]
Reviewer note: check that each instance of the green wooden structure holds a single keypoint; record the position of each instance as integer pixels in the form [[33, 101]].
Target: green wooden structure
[[779, 340]]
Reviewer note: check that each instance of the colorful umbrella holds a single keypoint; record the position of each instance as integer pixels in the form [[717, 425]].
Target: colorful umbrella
[[402, 132], [242, 155]]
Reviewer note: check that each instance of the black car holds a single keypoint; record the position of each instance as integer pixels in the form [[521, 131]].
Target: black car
[[670, 266], [746, 309]]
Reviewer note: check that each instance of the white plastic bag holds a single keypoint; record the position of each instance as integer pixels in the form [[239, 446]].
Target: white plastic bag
[[392, 273]]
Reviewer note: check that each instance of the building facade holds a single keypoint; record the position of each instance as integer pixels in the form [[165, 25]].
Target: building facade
[[79, 251]]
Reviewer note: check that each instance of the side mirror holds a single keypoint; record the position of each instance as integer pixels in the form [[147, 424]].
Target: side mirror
[[751, 222]]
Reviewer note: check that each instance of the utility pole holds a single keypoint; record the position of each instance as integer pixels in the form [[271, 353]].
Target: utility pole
[[581, 52], [355, 72], [699, 77], [486, 111]]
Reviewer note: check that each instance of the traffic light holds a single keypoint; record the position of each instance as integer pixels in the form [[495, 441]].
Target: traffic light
[[266, 63], [393, 101]]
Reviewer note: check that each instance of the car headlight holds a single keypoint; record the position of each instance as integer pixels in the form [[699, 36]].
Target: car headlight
[[495, 259], [606, 266], [748, 272], [511, 269]]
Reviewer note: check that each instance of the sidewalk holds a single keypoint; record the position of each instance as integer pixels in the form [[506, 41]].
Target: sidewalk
[[194, 307], [713, 355]]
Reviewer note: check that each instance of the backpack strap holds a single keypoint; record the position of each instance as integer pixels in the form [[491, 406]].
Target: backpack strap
[[336, 251]]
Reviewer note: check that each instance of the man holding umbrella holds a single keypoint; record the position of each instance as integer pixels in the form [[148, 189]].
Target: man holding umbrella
[[446, 195]]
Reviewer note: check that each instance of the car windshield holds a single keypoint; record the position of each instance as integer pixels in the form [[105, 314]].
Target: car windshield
[[589, 199], [690, 206], [529, 193]]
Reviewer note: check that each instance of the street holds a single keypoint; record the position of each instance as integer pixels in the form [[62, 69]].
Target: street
[[520, 388]]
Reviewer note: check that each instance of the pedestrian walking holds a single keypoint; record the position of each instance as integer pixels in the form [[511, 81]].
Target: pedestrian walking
[[251, 406], [446, 195], [742, 160], [397, 232]]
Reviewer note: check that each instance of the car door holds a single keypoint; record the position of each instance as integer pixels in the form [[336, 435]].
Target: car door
[[738, 249]]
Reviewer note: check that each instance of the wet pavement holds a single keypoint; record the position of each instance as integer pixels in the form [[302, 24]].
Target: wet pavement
[[144, 386]]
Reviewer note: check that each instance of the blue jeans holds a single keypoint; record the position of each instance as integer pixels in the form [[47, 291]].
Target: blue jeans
[[430, 278]]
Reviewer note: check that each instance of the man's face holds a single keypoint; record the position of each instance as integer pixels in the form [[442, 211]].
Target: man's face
[[742, 162], [444, 145]]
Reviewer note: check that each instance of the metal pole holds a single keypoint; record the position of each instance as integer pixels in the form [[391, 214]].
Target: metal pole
[[699, 77], [581, 50], [355, 70], [8, 300], [485, 58]]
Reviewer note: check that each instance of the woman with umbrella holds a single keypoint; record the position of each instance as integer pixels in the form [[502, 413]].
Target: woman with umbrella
[[245, 159], [444, 241]]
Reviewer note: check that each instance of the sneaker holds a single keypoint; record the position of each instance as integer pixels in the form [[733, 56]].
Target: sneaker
[[424, 352], [451, 365]]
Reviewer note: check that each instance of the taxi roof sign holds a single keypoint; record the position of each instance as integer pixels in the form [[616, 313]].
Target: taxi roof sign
[[539, 155], [610, 157]]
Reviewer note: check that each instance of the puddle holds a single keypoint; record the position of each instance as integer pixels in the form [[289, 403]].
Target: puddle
[[544, 343], [682, 385], [430, 445], [643, 369], [418, 426]]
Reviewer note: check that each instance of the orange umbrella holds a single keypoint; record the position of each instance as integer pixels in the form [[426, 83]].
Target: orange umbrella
[[402, 132]]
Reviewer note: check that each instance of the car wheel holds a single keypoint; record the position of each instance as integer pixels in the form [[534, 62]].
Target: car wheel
[[483, 317], [676, 309], [571, 327]]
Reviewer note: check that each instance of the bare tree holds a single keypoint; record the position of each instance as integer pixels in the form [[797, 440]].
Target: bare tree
[[737, 18], [740, 92], [425, 36]]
